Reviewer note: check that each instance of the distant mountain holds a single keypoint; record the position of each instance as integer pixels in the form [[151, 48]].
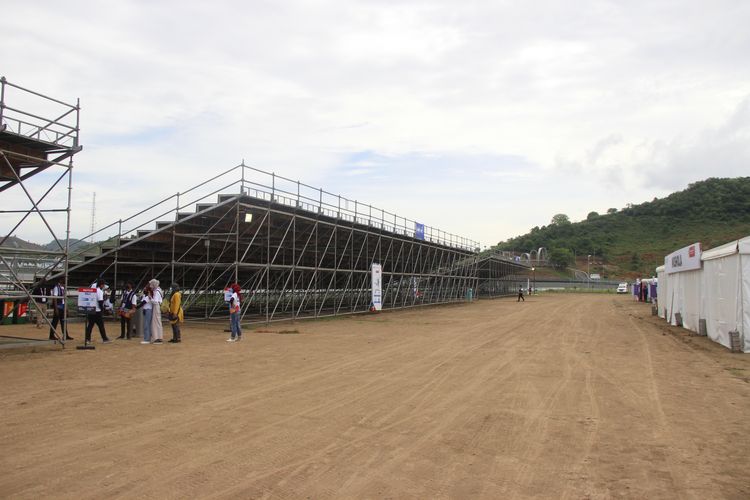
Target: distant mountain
[[15, 242], [634, 240], [74, 244]]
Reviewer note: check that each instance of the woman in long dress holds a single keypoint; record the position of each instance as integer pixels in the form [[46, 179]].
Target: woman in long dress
[[157, 330]]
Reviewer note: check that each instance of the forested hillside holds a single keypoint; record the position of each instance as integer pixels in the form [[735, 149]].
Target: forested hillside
[[634, 239]]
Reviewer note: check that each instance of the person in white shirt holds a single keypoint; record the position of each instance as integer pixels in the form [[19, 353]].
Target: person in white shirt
[[147, 312], [157, 330], [95, 317], [58, 310], [234, 314]]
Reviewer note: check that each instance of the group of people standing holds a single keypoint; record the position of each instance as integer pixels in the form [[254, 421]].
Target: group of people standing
[[149, 304]]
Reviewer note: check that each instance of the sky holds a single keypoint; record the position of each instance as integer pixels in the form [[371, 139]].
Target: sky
[[483, 119]]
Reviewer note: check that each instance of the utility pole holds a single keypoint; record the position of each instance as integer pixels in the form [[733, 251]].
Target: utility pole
[[93, 217]]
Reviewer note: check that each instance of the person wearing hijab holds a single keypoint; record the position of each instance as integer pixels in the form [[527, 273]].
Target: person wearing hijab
[[157, 330], [175, 313], [234, 314]]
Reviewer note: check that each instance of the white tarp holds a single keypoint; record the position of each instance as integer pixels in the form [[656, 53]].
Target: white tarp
[[743, 246], [722, 310], [685, 298], [663, 291], [745, 266]]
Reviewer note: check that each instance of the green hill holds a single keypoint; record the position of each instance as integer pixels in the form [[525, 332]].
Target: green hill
[[634, 240]]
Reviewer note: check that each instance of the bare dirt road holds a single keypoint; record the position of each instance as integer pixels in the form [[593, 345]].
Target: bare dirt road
[[563, 396]]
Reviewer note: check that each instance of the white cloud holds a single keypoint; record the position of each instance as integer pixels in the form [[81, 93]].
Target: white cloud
[[603, 104]]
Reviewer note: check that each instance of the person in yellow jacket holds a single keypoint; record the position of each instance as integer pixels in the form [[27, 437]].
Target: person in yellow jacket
[[176, 316]]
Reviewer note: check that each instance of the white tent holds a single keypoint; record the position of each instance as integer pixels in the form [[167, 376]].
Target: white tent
[[684, 298], [681, 294], [725, 292], [663, 291]]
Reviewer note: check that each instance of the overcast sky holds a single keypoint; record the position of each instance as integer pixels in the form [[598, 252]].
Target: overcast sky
[[481, 118]]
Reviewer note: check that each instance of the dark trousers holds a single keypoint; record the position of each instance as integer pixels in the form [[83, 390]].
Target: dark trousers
[[95, 318], [125, 327], [520, 297], [176, 332], [58, 319]]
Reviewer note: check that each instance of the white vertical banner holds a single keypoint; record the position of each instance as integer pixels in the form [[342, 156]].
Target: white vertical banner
[[377, 287]]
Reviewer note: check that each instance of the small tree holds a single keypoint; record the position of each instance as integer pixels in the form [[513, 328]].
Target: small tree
[[592, 215], [560, 258], [560, 220], [611, 211]]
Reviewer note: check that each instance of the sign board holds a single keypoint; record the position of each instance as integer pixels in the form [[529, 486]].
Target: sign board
[[419, 231], [87, 300], [595, 276], [377, 287], [684, 259], [228, 294]]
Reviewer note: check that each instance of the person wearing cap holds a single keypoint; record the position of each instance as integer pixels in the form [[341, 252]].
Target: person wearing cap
[[95, 317], [234, 314], [175, 313], [157, 330]]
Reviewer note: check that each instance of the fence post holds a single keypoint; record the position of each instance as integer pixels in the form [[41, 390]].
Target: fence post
[[2, 98]]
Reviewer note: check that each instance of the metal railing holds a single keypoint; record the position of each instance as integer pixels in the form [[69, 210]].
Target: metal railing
[[60, 128], [243, 179]]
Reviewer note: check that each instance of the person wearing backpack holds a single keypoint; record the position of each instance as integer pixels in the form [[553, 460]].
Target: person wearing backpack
[[176, 316], [157, 330]]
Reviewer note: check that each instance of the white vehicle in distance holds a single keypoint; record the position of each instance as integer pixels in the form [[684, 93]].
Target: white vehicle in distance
[[622, 288]]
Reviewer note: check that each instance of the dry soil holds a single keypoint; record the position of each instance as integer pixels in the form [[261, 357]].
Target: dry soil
[[569, 396]]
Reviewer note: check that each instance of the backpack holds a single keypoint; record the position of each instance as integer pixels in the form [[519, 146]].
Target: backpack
[[165, 303]]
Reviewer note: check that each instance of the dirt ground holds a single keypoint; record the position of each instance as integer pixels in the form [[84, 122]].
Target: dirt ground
[[563, 396]]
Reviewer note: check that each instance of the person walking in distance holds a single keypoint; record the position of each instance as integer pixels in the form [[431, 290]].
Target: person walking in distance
[[234, 314], [126, 310], [58, 310], [148, 310], [520, 295], [157, 330], [175, 313], [95, 317]]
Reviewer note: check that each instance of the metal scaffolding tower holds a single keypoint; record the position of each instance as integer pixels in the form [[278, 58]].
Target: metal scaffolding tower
[[38, 138]]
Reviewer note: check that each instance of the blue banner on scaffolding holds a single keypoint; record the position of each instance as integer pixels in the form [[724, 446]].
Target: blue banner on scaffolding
[[419, 231]]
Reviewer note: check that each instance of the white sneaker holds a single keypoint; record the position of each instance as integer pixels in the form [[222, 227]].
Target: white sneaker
[[231, 340], [145, 342]]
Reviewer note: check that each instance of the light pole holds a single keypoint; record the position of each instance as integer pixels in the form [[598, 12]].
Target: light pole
[[588, 269], [533, 272]]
